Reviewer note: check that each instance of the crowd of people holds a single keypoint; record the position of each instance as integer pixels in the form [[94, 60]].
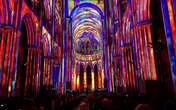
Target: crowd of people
[[86, 101]]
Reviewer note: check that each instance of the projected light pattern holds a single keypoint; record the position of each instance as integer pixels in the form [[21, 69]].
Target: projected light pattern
[[86, 23], [47, 55], [114, 35], [12, 16], [169, 12], [86, 19], [73, 3], [133, 47]]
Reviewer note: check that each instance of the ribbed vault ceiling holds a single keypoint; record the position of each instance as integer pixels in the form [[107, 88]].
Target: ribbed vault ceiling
[[86, 22]]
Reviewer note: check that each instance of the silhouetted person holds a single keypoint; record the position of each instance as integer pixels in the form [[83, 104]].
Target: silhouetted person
[[143, 107]]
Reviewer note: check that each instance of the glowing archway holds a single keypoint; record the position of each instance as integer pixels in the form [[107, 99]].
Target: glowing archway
[[87, 35], [86, 18], [91, 5]]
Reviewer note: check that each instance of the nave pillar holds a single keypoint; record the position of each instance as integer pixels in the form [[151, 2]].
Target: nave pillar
[[92, 77]]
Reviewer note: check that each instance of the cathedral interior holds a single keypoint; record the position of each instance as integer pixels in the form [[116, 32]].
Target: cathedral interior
[[84, 47]]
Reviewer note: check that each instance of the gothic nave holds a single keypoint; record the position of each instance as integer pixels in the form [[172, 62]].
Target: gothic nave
[[78, 48]]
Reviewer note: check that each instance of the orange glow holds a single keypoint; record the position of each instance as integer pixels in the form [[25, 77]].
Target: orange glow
[[77, 81], [99, 79], [145, 9], [102, 74], [148, 70], [9, 90], [148, 9], [93, 81], [152, 57], [129, 58], [26, 9], [142, 54], [74, 79], [85, 80]]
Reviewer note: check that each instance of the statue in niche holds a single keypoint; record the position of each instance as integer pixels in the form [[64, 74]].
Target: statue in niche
[[93, 46], [91, 51], [87, 48], [90, 46], [82, 47], [78, 47]]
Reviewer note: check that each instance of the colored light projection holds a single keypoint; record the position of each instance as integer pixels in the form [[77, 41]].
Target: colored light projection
[[46, 40], [112, 45], [73, 3], [19, 52], [53, 22], [169, 18], [86, 23], [133, 50], [87, 44]]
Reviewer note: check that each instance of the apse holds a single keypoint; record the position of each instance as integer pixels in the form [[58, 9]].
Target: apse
[[87, 45], [85, 18], [87, 35]]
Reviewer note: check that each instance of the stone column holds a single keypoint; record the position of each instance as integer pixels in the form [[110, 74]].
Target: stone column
[[78, 80], [85, 77], [99, 77], [92, 77], [102, 77], [73, 77]]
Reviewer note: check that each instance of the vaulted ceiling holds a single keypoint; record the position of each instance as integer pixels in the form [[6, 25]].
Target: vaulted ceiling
[[86, 21]]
